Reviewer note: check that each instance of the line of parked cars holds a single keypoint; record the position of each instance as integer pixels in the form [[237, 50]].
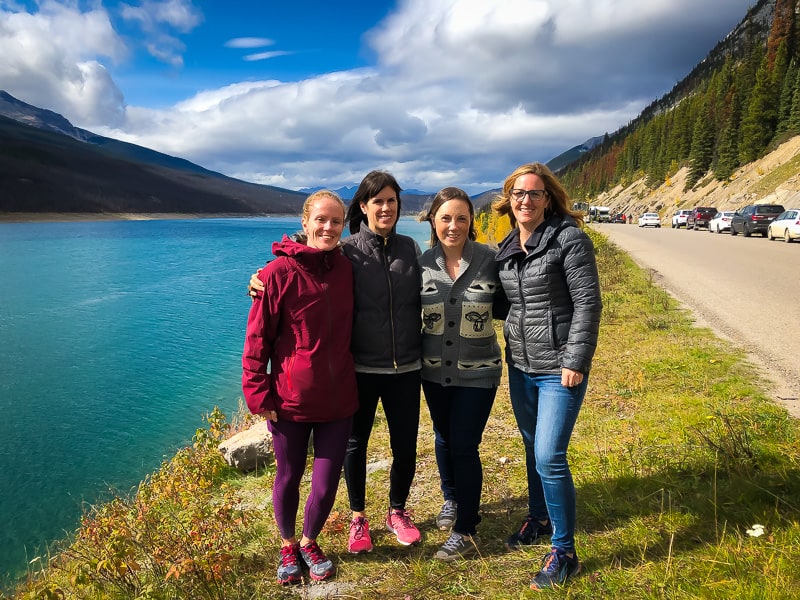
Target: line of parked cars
[[770, 220]]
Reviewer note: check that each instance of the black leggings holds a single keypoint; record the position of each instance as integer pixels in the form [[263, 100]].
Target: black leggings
[[400, 395]]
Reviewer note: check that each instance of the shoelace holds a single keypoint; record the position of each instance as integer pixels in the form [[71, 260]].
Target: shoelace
[[551, 564], [453, 543], [359, 524], [449, 509], [405, 518], [315, 552], [288, 556], [526, 525]]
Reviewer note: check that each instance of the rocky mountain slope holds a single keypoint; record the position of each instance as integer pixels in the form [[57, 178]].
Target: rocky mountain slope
[[775, 178]]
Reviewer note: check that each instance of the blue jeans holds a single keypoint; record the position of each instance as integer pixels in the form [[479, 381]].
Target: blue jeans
[[546, 412], [459, 416]]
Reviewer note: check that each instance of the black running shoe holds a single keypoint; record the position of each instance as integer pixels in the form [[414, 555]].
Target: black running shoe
[[529, 533]]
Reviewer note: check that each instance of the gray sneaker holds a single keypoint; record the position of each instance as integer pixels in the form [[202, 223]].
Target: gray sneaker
[[447, 516], [458, 545]]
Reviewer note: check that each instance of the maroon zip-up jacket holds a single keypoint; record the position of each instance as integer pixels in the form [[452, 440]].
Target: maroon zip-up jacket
[[301, 325]]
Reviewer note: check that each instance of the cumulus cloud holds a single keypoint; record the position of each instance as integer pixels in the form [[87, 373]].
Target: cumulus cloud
[[461, 92], [55, 59]]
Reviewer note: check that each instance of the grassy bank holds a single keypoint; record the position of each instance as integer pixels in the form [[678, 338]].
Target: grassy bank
[[676, 456]]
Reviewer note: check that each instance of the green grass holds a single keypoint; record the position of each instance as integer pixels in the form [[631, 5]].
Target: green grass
[[676, 454]]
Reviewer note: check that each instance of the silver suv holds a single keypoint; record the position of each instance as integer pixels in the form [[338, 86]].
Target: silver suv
[[679, 218]]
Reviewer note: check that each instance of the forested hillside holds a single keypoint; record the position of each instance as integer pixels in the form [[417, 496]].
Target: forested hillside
[[737, 105]]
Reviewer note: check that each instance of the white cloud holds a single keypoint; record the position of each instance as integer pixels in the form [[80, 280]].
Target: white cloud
[[151, 15], [54, 59], [158, 20], [266, 55], [462, 91], [248, 42]]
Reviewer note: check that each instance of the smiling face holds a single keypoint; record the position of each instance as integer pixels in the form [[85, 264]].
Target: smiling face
[[381, 211], [452, 221], [528, 212], [324, 223]]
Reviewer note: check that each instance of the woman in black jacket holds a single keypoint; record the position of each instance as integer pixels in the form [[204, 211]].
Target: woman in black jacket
[[387, 345]]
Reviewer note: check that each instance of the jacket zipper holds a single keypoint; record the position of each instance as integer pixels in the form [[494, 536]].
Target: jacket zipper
[[391, 302], [524, 310], [326, 291]]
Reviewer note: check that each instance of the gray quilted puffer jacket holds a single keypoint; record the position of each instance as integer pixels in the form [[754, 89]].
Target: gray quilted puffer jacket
[[554, 291]]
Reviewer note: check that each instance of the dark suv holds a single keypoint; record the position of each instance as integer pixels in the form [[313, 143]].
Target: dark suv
[[754, 219], [700, 216]]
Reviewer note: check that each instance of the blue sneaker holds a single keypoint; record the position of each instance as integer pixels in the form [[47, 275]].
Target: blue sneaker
[[557, 567]]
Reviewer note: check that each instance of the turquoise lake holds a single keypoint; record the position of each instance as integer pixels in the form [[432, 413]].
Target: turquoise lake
[[116, 337]]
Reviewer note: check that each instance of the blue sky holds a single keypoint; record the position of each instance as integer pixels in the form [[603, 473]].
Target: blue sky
[[299, 94]]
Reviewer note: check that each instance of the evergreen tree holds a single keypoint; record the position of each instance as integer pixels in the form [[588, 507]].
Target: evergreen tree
[[758, 124], [787, 97], [702, 149], [794, 115]]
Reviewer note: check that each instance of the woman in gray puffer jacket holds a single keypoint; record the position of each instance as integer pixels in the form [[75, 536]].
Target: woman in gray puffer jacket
[[548, 271]]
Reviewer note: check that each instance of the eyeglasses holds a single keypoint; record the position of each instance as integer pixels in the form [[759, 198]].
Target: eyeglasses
[[534, 195]]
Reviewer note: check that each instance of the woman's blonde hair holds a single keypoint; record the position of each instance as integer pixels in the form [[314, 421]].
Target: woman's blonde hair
[[560, 203], [321, 194]]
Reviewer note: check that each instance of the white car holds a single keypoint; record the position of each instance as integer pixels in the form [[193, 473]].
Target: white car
[[650, 220], [721, 221], [679, 218], [786, 225]]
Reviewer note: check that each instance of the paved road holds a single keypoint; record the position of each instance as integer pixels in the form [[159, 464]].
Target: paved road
[[746, 289]]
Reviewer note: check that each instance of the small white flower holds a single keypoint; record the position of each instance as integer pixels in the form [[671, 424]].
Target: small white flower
[[756, 530], [503, 460]]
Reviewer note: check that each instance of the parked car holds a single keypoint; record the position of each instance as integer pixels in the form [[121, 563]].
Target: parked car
[[619, 218], [721, 221], [700, 216], [786, 225], [679, 217], [754, 218], [650, 220]]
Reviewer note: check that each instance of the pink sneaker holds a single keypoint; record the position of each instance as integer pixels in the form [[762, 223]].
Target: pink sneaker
[[399, 523], [359, 540]]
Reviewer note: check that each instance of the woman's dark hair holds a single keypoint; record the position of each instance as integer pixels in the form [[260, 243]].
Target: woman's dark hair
[[445, 195], [370, 186]]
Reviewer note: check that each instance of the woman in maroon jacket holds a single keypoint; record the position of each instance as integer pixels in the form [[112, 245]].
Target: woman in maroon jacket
[[301, 326]]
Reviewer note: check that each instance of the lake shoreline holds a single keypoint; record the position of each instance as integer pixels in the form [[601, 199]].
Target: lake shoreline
[[53, 217]]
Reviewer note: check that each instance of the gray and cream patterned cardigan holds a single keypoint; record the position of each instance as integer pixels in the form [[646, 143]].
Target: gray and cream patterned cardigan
[[459, 344]]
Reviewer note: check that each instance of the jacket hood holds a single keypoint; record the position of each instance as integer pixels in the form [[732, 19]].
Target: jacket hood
[[296, 247]]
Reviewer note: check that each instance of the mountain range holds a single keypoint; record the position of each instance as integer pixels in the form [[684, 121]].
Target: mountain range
[[49, 166]]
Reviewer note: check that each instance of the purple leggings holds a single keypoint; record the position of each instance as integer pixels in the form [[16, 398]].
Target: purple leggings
[[290, 442]]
